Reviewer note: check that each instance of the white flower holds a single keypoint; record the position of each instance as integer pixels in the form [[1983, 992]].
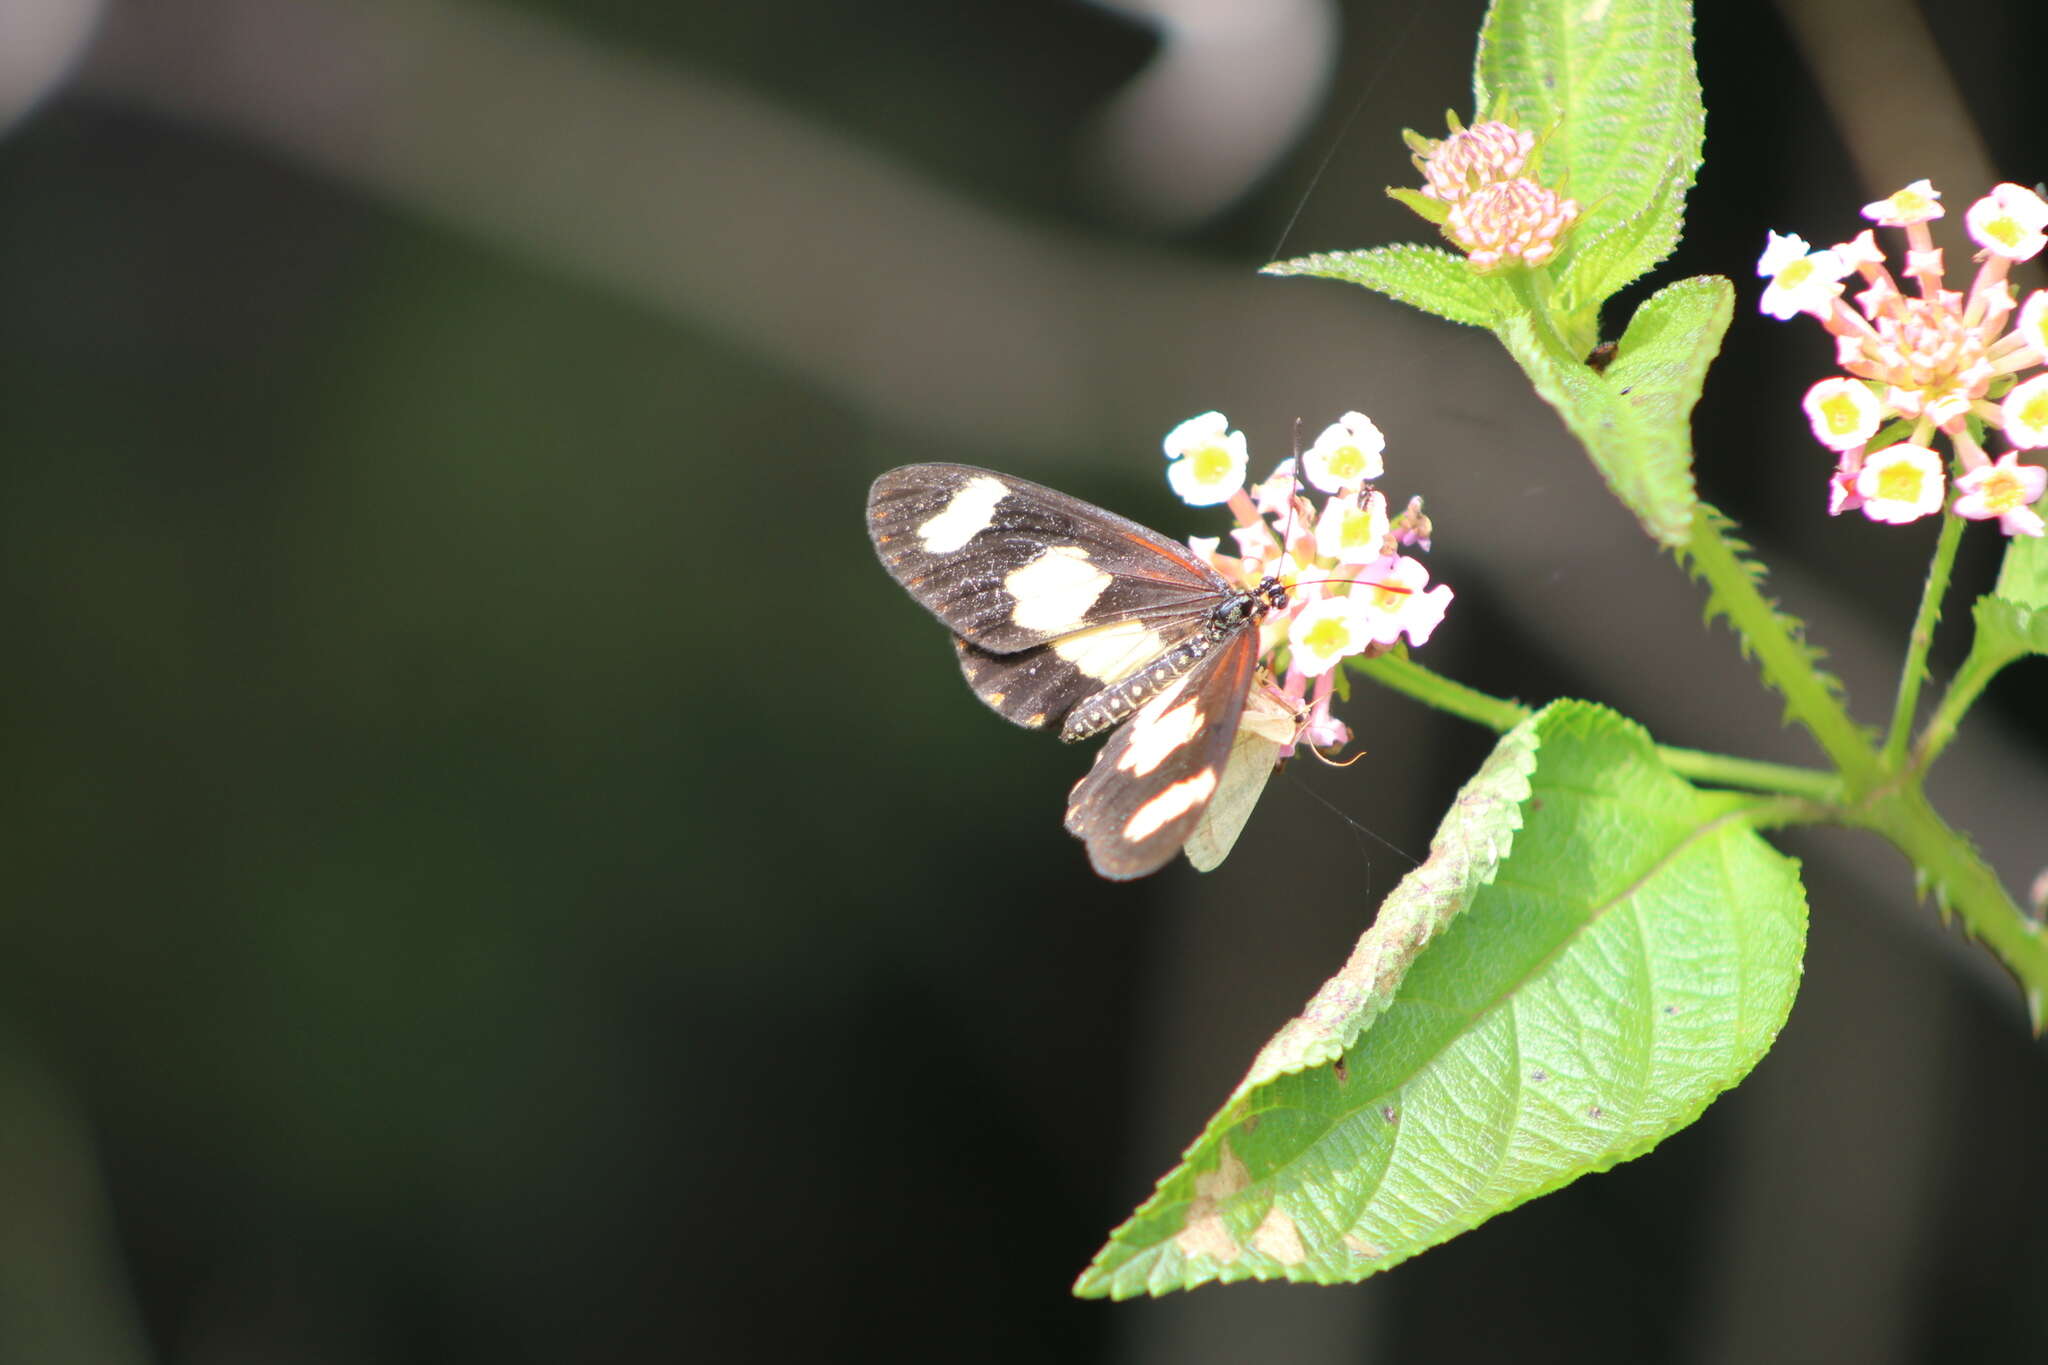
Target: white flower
[[1325, 631], [1208, 460], [2008, 221], [1801, 281], [1346, 455], [1901, 483], [1352, 530], [2033, 322], [2026, 413], [1919, 202], [1844, 412]]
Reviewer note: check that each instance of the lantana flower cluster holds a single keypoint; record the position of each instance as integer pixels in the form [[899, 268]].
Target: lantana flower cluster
[[1930, 360], [1351, 589], [1493, 211]]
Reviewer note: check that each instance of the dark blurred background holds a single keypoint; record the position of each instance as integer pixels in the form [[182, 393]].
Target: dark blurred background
[[498, 872]]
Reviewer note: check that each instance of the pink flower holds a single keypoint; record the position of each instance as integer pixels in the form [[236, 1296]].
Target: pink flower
[[1471, 158], [2004, 489], [1511, 222], [1392, 603]]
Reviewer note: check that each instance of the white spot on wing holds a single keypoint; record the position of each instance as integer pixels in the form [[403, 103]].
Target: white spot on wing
[[1156, 735], [968, 513], [1111, 653], [1176, 801], [1054, 591]]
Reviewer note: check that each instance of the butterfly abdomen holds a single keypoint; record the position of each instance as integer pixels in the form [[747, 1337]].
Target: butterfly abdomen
[[1120, 701]]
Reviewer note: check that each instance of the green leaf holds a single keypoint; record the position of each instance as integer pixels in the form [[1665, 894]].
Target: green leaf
[[1634, 419], [1535, 1004], [2012, 620], [1421, 276], [2011, 630], [1598, 264], [1612, 91], [2023, 576]]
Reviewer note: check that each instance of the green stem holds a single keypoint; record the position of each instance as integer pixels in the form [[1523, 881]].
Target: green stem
[[1986, 658], [1411, 679], [1401, 674], [1914, 672], [1776, 812], [1962, 882], [1786, 663], [1723, 770]]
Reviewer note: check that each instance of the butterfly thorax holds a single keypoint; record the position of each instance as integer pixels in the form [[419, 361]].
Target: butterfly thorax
[[1122, 700]]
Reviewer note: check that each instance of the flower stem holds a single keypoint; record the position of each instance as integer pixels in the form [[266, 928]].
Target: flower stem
[[1987, 656], [1823, 789], [1411, 679], [1914, 672]]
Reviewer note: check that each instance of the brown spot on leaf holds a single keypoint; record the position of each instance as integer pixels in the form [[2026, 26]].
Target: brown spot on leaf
[[1341, 1071], [1360, 1247], [1278, 1237], [1204, 1234]]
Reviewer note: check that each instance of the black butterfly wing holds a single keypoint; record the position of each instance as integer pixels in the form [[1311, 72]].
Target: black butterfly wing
[[1160, 769], [1052, 598]]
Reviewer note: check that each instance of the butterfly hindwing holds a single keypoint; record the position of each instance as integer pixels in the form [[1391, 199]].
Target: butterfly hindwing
[[1158, 772]]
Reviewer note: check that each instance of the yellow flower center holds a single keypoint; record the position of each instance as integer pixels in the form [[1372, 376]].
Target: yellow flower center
[[1794, 275], [1900, 482], [2001, 491], [2034, 412], [1347, 463], [2004, 229], [1841, 414], [1327, 636], [1212, 464]]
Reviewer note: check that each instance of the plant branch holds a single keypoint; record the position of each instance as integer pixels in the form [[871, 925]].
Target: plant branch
[[1914, 671], [1787, 662]]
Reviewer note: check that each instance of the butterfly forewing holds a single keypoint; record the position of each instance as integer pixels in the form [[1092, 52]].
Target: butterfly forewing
[[1010, 564]]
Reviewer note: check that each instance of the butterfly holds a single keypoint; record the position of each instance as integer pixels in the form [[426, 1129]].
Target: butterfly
[[1067, 615]]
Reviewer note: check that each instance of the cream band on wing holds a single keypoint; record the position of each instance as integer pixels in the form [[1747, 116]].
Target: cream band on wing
[[1054, 591], [1155, 736], [1111, 653], [968, 513], [1176, 801]]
